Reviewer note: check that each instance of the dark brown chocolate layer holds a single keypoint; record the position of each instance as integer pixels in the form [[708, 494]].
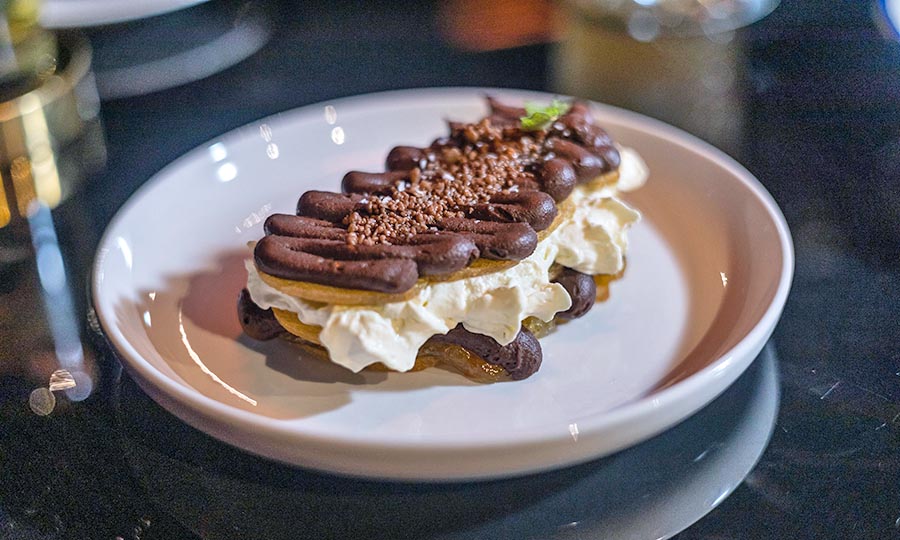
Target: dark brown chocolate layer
[[582, 290], [484, 191], [521, 358], [372, 183], [316, 251], [497, 241], [557, 178], [508, 220], [257, 322]]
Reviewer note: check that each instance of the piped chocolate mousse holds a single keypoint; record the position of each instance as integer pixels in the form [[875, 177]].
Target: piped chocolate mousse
[[492, 184]]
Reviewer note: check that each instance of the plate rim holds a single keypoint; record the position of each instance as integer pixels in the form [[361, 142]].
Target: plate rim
[[727, 367]]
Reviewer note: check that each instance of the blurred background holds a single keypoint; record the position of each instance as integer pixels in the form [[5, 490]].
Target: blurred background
[[97, 95]]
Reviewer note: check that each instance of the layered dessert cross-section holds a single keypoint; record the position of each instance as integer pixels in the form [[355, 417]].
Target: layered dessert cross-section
[[460, 255]]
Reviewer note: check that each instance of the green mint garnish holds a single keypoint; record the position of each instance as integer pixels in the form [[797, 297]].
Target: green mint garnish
[[541, 116]]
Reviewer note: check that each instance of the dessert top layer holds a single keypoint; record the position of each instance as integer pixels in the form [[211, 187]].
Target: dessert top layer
[[483, 191]]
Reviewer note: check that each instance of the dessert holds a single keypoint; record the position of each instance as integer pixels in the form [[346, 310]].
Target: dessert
[[457, 255]]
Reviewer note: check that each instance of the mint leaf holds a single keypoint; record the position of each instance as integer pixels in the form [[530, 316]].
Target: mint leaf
[[542, 116]]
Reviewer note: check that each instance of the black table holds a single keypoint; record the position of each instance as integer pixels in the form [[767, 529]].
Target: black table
[[822, 133]]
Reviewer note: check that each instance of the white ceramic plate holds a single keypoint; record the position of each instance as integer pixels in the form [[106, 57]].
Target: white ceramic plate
[[709, 270], [80, 13], [652, 490]]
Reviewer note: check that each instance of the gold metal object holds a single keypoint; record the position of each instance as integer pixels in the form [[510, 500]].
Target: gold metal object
[[50, 136]]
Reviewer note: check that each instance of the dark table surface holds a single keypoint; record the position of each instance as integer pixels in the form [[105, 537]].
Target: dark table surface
[[821, 130]]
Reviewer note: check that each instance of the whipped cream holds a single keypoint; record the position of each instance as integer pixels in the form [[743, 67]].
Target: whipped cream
[[592, 241]]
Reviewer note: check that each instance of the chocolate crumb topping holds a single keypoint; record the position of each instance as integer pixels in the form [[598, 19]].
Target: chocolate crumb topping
[[448, 181], [488, 181]]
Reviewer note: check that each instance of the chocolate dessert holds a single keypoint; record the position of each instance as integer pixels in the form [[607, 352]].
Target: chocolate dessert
[[485, 217]]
